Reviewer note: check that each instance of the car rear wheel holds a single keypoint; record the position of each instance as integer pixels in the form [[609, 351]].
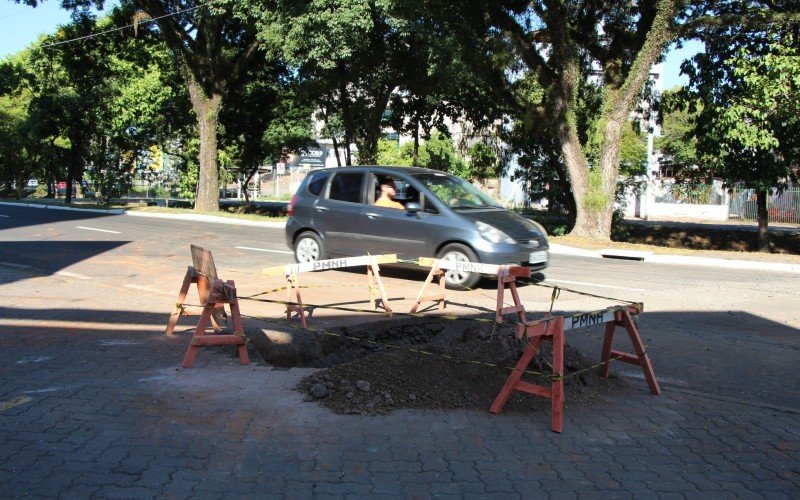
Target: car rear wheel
[[308, 248], [455, 279]]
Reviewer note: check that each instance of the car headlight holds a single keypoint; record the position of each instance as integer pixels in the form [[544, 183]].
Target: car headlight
[[492, 234]]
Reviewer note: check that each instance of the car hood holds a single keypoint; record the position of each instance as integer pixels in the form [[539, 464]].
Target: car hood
[[514, 225]]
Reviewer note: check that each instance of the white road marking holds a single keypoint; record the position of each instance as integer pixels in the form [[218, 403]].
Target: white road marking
[[265, 250], [6, 216], [15, 266], [32, 359], [68, 274], [666, 380], [98, 230], [144, 288], [597, 285], [114, 343]]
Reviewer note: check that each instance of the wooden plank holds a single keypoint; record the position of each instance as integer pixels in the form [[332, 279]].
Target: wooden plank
[[328, 264], [534, 389], [203, 261], [625, 357], [218, 340]]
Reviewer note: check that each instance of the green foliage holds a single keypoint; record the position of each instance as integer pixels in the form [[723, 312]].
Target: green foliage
[[633, 152], [596, 199], [391, 153], [439, 153], [748, 122], [677, 143]]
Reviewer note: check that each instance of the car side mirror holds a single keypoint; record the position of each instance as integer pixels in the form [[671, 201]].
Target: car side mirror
[[413, 208]]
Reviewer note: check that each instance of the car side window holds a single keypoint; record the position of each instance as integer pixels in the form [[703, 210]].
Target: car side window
[[404, 192], [347, 187], [317, 182]]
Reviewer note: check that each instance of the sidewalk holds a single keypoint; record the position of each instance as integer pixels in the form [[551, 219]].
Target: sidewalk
[[93, 403], [101, 409]]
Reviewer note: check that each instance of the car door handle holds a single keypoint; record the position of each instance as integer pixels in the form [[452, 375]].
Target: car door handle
[[373, 215], [321, 209]]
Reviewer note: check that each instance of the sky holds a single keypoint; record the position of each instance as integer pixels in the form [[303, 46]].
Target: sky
[[21, 25]]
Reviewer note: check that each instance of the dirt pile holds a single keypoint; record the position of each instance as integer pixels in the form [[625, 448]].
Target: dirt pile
[[379, 367]]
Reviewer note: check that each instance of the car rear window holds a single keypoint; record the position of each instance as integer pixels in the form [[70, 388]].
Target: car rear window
[[316, 182], [347, 187]]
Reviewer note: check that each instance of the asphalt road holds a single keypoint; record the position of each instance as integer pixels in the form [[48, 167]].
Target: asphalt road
[[727, 334]]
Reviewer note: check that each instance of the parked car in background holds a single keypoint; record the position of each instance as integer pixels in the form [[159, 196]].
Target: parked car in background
[[332, 214]]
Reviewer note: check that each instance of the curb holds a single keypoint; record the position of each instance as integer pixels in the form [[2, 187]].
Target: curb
[[119, 211], [112, 211], [206, 218], [686, 260]]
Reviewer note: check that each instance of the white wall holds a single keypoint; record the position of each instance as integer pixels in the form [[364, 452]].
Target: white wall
[[674, 211]]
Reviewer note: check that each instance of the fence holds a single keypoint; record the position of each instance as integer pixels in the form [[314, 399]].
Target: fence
[[691, 194], [144, 186], [781, 206]]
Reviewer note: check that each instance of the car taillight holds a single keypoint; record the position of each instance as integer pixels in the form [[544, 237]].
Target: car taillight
[[290, 208]]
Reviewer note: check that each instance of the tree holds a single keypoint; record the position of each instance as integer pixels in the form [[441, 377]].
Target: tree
[[748, 127], [71, 85], [22, 153], [560, 44], [677, 142], [353, 52], [269, 116]]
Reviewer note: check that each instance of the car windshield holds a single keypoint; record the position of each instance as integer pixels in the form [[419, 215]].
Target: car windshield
[[455, 191]]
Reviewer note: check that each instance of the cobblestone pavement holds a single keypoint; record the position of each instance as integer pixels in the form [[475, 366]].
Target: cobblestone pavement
[[98, 407], [115, 418]]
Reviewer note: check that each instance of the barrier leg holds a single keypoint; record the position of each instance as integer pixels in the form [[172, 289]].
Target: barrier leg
[[518, 308], [191, 352], [374, 281], [221, 294], [641, 359], [238, 327], [178, 311], [557, 386], [439, 298], [516, 375], [552, 330], [296, 308]]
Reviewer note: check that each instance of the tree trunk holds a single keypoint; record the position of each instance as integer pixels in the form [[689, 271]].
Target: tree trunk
[[68, 191], [20, 186], [763, 221], [336, 150], [415, 155], [206, 108]]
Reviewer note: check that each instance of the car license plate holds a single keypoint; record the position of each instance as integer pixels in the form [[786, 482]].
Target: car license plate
[[537, 257]]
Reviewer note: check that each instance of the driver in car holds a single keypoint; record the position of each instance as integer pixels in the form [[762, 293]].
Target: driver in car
[[385, 200]]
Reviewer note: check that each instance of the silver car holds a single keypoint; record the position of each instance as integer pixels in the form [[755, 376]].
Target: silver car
[[333, 214]]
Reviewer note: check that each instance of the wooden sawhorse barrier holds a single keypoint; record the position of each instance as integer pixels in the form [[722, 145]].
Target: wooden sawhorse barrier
[[294, 302], [213, 294], [552, 329], [506, 277], [221, 293]]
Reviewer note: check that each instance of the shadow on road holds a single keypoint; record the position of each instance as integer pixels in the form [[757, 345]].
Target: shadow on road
[[47, 257]]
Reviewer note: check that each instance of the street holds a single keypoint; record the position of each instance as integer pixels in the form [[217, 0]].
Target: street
[[85, 292]]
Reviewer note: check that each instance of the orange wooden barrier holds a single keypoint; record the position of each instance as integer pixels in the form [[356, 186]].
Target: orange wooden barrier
[[221, 293], [294, 306], [624, 319], [551, 329], [213, 294]]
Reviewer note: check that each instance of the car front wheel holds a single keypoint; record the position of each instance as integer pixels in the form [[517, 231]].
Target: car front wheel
[[308, 248], [455, 279]]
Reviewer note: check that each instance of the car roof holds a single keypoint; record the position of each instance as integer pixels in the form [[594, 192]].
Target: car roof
[[383, 169]]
